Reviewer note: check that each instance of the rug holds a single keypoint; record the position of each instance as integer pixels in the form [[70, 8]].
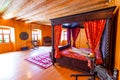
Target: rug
[[43, 60]]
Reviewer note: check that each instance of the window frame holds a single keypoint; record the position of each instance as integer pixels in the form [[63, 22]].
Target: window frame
[[3, 35], [35, 34], [65, 35]]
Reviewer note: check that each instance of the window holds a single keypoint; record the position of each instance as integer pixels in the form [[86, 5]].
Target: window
[[64, 35], [0, 38], [36, 34], [5, 35]]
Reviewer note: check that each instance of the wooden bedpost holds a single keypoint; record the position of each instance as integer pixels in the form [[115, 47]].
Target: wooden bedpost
[[53, 49]]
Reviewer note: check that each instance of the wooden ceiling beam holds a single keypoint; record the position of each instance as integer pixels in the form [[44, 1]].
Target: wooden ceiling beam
[[35, 8], [64, 11], [26, 9], [55, 16], [13, 8], [72, 4], [56, 6], [41, 11]]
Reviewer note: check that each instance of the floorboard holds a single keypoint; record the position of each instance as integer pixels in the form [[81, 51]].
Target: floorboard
[[14, 67]]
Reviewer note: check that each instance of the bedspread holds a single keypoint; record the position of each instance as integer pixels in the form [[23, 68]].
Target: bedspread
[[81, 55]]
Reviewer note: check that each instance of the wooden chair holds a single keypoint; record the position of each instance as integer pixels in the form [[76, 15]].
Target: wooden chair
[[35, 43]]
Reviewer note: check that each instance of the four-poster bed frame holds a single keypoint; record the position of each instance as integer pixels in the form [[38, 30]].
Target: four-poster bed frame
[[106, 50]]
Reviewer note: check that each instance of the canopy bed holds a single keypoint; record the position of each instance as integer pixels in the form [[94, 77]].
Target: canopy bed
[[98, 26]]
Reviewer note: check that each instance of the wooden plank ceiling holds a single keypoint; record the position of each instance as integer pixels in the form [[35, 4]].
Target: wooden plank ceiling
[[41, 11]]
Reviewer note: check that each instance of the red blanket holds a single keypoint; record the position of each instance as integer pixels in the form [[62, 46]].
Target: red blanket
[[69, 53]]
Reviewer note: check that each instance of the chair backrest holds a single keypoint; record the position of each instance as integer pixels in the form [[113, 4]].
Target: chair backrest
[[47, 41], [35, 43]]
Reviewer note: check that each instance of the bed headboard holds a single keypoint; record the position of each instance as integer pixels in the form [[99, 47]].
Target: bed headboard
[[106, 41]]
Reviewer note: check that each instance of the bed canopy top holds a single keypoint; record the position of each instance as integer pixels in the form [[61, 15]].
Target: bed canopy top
[[79, 18]]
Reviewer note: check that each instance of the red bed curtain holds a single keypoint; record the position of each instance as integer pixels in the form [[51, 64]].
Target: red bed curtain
[[75, 32], [57, 36], [94, 30]]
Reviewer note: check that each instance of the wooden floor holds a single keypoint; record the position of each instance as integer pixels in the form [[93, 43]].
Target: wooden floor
[[14, 67]]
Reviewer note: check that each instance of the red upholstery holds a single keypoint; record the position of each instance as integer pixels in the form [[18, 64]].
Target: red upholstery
[[70, 54]]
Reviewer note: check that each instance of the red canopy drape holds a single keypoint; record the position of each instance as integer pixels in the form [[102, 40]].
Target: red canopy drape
[[57, 36], [94, 31], [75, 32]]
